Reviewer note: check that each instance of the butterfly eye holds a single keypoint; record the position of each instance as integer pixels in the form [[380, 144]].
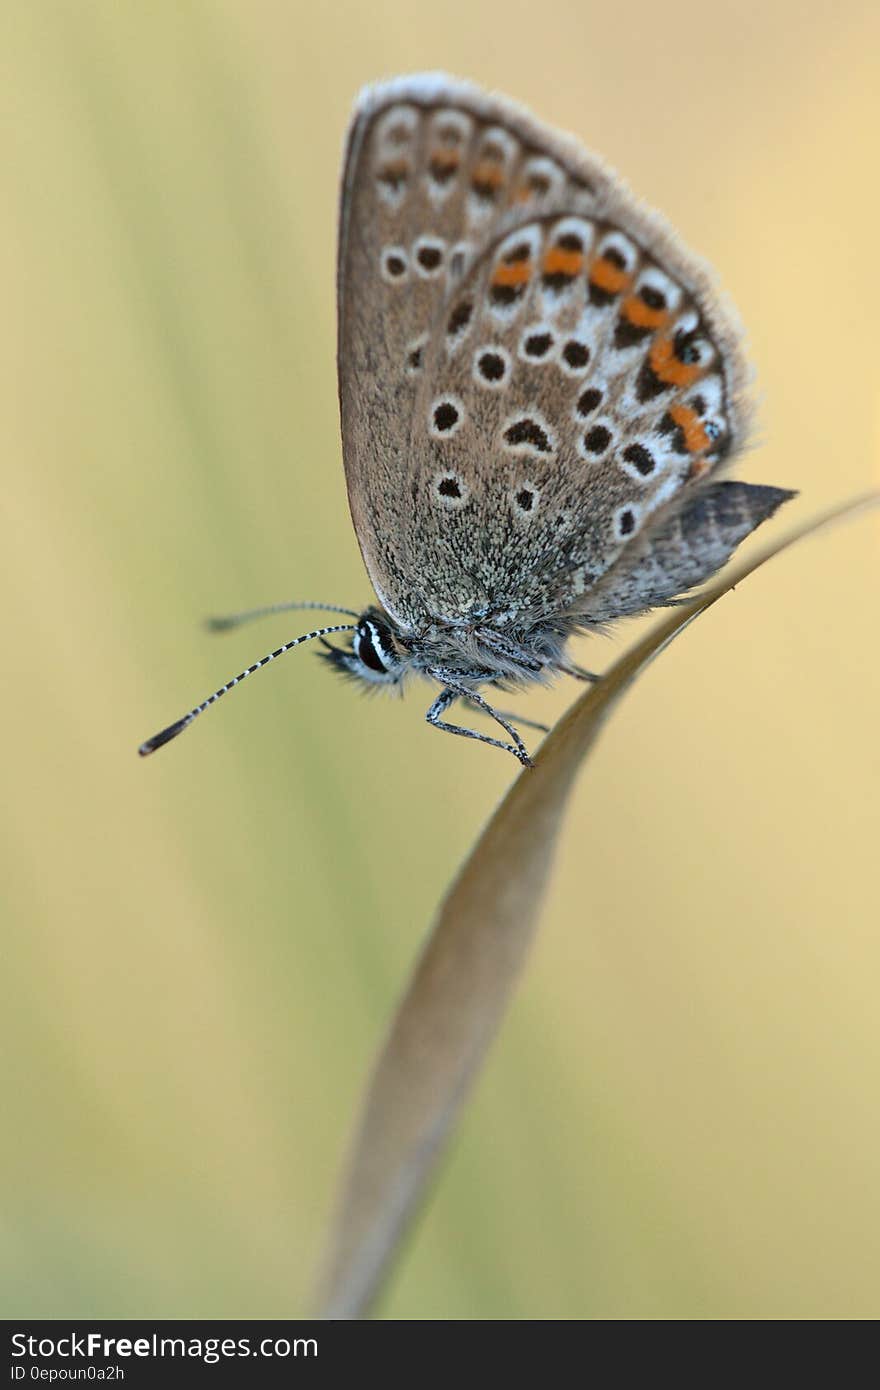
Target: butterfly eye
[[374, 647], [367, 653]]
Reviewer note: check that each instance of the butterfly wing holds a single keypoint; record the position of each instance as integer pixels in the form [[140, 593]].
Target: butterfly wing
[[532, 370], [432, 168]]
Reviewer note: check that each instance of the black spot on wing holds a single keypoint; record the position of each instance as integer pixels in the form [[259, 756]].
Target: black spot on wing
[[530, 432]]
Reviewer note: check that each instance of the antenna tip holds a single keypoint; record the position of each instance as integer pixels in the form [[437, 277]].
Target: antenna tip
[[164, 736]]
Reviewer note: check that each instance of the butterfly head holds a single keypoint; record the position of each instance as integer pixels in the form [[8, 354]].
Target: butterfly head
[[376, 655]]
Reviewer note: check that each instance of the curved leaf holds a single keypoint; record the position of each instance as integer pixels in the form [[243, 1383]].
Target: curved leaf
[[467, 971]]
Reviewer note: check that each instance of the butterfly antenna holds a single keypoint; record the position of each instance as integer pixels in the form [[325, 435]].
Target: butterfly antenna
[[230, 620], [166, 735]]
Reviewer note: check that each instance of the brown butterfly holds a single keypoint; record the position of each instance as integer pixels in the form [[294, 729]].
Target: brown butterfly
[[538, 388]]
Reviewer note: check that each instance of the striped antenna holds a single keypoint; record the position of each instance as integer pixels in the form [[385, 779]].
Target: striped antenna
[[230, 620], [166, 735]]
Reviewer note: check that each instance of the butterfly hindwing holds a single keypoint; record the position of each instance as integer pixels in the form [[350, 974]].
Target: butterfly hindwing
[[584, 396]]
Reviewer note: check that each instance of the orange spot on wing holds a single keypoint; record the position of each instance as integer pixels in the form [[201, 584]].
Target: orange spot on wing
[[445, 162], [559, 261], [691, 426], [637, 312], [605, 275], [487, 173], [667, 366], [515, 273], [394, 175]]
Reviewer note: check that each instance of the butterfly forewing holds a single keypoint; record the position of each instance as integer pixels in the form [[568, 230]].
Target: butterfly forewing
[[530, 366]]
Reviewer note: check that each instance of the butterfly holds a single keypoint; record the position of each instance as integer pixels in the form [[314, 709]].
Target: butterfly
[[539, 387]]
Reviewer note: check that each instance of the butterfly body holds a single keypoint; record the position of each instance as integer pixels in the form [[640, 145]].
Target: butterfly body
[[538, 387], [470, 651]]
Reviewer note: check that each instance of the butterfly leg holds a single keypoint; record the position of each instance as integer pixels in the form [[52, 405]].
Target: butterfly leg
[[509, 650], [514, 718], [568, 668], [452, 693], [504, 646]]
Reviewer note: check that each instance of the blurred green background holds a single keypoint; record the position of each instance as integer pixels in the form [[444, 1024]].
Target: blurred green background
[[201, 952]]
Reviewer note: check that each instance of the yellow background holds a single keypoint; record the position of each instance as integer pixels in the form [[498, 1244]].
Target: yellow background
[[201, 951]]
